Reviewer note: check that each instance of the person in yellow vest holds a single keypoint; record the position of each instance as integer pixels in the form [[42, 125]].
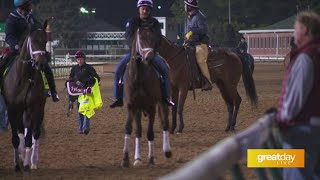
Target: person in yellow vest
[[84, 75], [197, 29]]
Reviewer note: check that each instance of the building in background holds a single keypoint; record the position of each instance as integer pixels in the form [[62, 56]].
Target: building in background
[[270, 41]]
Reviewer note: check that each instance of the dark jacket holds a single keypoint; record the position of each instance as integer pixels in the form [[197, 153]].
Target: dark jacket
[[243, 47], [134, 23], [85, 74], [17, 27], [197, 23]]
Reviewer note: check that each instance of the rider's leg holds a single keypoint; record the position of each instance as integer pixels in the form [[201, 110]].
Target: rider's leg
[[118, 87], [49, 76], [161, 66], [5, 61], [202, 55], [80, 120]]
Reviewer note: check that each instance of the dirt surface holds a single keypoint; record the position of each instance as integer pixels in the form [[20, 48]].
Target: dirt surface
[[65, 154]]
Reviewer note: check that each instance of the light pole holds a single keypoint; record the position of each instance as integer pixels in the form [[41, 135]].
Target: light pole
[[229, 13]]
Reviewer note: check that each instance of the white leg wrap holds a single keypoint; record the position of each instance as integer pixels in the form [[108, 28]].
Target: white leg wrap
[[126, 143], [137, 149], [21, 146], [35, 153], [151, 150], [27, 157], [166, 143]]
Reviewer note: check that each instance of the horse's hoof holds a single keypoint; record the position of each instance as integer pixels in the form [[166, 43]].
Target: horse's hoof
[[17, 168], [137, 162], [171, 131], [168, 154], [33, 166], [26, 168], [125, 163], [151, 161], [232, 129], [227, 129]]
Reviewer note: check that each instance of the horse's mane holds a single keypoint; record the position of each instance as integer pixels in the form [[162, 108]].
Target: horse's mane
[[169, 42]]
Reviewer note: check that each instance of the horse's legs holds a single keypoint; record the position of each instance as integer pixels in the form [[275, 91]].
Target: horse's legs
[[137, 155], [128, 131], [182, 99], [175, 98], [236, 109], [150, 135], [227, 99], [16, 139], [164, 113], [36, 135], [27, 158]]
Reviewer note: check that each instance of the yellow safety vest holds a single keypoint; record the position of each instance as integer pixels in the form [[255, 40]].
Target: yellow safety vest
[[90, 102]]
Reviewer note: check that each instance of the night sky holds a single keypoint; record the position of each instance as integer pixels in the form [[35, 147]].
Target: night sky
[[121, 10]]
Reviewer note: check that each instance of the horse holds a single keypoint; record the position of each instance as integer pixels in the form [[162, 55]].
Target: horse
[[246, 58], [23, 91], [142, 93], [225, 75]]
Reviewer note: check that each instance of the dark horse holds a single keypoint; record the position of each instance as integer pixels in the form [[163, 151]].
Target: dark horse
[[23, 91], [142, 94], [225, 75]]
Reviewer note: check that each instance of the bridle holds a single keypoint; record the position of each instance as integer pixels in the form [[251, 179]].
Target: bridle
[[142, 51]]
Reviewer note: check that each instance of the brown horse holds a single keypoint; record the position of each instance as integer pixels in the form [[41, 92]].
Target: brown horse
[[142, 94], [23, 91], [225, 75]]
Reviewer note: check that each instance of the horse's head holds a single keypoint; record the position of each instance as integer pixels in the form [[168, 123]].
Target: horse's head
[[34, 47], [145, 42]]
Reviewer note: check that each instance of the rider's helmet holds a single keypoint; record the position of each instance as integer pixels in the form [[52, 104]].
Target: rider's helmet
[[18, 3], [191, 4], [148, 3], [80, 54]]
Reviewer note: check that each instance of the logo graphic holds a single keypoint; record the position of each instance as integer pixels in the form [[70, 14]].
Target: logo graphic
[[281, 158]]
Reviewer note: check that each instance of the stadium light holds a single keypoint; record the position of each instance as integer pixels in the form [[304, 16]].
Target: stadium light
[[159, 7], [82, 10]]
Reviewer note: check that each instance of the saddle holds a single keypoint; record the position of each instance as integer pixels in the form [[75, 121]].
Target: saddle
[[215, 59]]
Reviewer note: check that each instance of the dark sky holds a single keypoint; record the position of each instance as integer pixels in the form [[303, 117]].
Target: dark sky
[[121, 10]]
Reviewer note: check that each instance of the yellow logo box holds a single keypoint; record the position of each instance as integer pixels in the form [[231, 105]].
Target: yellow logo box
[[275, 158]]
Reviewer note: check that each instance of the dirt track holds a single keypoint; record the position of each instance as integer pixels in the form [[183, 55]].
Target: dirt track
[[65, 154]]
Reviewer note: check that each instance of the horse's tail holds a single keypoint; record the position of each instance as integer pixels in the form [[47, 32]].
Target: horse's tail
[[249, 82]]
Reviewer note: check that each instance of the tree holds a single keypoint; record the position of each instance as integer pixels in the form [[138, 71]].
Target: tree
[[66, 21]]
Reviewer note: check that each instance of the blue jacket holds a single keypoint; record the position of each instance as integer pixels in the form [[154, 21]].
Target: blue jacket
[[16, 27], [197, 23], [134, 23]]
